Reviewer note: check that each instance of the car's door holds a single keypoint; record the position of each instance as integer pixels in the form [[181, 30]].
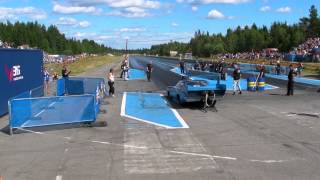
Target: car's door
[[183, 90], [174, 90]]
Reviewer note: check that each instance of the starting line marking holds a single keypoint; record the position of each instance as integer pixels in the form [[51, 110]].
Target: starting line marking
[[171, 151]]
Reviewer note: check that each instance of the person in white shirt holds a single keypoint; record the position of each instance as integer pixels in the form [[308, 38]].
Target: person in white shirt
[[111, 82]]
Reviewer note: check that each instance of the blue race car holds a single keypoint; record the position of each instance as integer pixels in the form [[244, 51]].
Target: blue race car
[[195, 90]]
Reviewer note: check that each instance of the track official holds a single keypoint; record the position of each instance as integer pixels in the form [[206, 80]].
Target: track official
[[291, 75], [182, 67], [236, 81], [149, 70]]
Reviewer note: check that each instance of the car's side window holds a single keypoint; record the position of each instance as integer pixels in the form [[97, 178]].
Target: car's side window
[[180, 85]]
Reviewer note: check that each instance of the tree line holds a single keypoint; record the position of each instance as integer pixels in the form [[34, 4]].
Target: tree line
[[247, 39], [48, 39]]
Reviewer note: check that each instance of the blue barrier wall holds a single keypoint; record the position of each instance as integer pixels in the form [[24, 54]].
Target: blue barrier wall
[[20, 71], [45, 111]]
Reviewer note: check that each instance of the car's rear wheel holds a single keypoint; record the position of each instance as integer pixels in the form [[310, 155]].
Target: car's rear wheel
[[179, 100], [169, 95]]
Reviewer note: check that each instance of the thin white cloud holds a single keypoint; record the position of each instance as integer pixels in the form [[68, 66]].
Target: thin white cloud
[[66, 21], [58, 8], [199, 2], [133, 3], [265, 8], [132, 30], [122, 8], [146, 4], [84, 24], [194, 8], [136, 40], [99, 38], [286, 9], [16, 13], [132, 12], [135, 10], [174, 24], [215, 14]]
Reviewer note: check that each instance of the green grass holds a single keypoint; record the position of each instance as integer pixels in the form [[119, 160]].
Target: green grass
[[83, 65]]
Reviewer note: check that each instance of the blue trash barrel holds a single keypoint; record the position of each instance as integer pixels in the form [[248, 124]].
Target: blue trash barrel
[[251, 84], [261, 84]]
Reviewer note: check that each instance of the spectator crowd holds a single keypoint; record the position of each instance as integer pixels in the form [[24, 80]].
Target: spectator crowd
[[307, 48]]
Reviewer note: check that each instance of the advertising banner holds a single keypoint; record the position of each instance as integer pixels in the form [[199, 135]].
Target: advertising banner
[[20, 72]]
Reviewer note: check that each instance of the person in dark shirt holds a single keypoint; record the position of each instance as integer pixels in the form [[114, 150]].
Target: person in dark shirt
[[278, 68], [149, 71], [299, 69], [291, 75], [123, 66], [65, 75], [262, 71], [181, 67], [236, 81], [65, 72], [55, 76]]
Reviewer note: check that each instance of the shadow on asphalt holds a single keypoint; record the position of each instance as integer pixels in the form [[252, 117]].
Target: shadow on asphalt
[[6, 130]]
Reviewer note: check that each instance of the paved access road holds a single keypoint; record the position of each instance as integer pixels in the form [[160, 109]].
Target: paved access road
[[253, 136]]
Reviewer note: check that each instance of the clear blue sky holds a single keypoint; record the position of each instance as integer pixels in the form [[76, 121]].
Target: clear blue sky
[[147, 22]]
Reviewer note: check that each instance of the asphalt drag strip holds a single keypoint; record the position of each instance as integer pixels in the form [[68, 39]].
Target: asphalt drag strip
[[252, 136]]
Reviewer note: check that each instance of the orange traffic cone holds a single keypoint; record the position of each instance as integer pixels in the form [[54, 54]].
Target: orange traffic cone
[[1, 178]]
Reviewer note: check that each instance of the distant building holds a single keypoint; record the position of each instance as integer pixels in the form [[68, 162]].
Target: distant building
[[24, 46], [173, 53], [188, 55]]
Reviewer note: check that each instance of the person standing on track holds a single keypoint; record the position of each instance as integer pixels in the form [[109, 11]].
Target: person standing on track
[[299, 69], [182, 66], [65, 75], [123, 64], [236, 81], [46, 77], [262, 71], [278, 68], [126, 71], [291, 75], [149, 70], [111, 83], [65, 72]]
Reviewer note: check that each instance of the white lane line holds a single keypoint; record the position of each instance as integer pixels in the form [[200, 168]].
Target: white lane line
[[59, 177], [204, 155], [176, 152], [269, 161], [34, 132], [123, 105], [122, 145], [182, 122], [175, 112]]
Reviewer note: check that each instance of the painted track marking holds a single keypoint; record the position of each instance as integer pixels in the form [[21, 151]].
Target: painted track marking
[[171, 151]]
